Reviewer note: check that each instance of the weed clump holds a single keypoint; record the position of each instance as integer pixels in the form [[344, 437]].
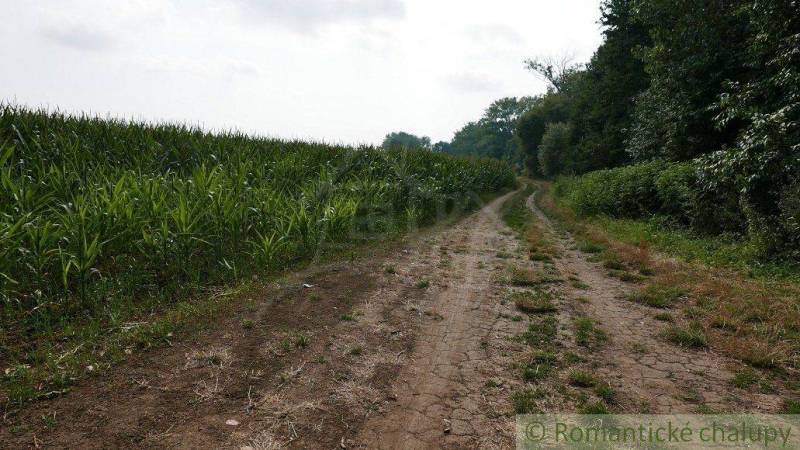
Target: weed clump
[[534, 302], [590, 247], [587, 334], [692, 336], [524, 401], [541, 333], [658, 295], [580, 378]]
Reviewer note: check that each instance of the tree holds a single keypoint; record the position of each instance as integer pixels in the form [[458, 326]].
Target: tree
[[493, 135], [405, 140], [602, 106], [764, 161], [555, 148], [697, 46], [596, 100], [531, 127], [553, 69], [442, 146]]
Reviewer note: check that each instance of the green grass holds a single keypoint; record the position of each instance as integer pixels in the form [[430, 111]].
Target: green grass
[[523, 277], [594, 408], [492, 383], [691, 336], [541, 333], [791, 407], [590, 247], [578, 284], [524, 401], [539, 256], [534, 302], [716, 251], [539, 367], [658, 295], [534, 372], [572, 358], [580, 378], [614, 264], [745, 378], [515, 213], [664, 317], [302, 341], [587, 334], [605, 392], [356, 350], [626, 276], [106, 222]]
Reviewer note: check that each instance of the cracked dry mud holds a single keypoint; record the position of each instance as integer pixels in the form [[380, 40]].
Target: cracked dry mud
[[371, 357]]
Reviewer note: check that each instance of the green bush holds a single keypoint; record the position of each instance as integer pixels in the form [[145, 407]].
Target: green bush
[[789, 217], [555, 147], [625, 191], [708, 208], [675, 192]]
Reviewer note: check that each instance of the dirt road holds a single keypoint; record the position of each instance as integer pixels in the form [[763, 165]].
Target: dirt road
[[414, 346]]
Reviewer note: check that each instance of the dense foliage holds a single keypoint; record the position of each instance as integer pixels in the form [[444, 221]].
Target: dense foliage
[[101, 218], [493, 135], [670, 190], [403, 140], [714, 84]]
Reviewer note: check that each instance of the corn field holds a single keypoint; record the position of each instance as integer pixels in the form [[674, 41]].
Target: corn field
[[99, 218]]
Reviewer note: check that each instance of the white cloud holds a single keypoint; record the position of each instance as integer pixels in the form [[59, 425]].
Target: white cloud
[[310, 15], [78, 37], [472, 83], [495, 34]]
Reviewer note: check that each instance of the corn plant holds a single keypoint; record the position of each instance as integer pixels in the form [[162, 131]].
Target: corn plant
[[95, 210]]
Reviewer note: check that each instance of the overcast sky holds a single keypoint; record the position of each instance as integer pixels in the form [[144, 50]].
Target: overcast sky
[[346, 71]]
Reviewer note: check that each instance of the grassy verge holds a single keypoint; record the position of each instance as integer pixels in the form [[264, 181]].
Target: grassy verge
[[724, 251], [708, 284]]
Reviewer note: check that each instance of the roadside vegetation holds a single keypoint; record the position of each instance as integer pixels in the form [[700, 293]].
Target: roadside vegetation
[[687, 117], [105, 224], [703, 303]]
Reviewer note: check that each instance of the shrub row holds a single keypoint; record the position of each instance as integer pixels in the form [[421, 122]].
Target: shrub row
[[691, 194], [672, 190]]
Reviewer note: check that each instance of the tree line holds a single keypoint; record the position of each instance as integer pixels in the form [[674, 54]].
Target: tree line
[[710, 85]]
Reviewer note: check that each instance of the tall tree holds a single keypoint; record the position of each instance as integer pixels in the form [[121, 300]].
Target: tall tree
[[603, 102], [697, 46], [401, 139], [441, 146], [532, 125], [493, 134]]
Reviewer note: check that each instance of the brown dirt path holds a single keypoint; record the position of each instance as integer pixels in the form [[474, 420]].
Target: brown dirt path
[[443, 399]]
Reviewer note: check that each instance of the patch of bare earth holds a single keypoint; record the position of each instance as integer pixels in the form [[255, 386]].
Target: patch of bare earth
[[443, 400]]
